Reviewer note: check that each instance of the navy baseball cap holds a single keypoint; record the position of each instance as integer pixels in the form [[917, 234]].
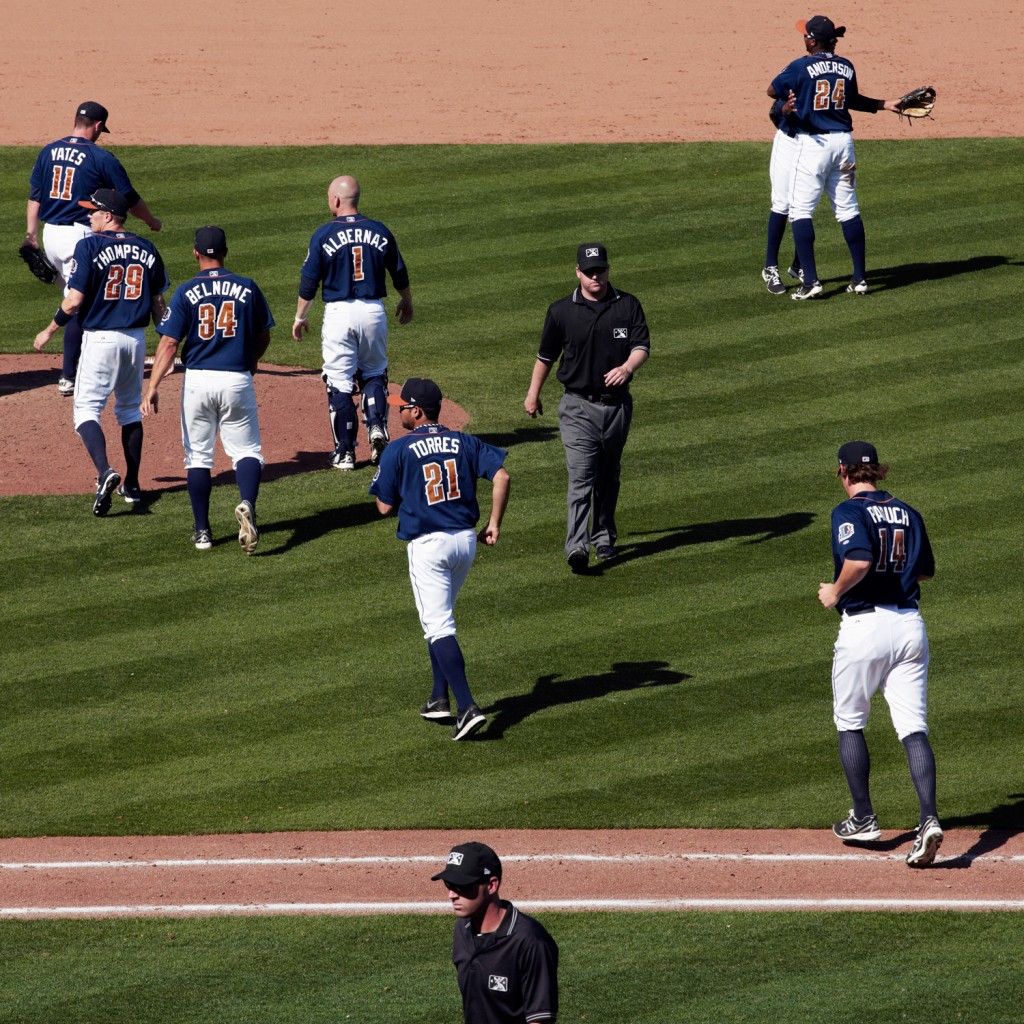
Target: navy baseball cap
[[592, 256], [95, 111], [468, 864], [211, 241], [823, 29], [418, 391], [107, 199], [855, 453]]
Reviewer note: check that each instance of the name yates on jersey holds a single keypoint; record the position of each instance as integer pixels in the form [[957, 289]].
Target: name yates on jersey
[[440, 444], [67, 155], [353, 236]]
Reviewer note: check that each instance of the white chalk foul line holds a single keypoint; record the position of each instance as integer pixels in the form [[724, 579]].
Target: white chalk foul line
[[535, 858], [221, 909]]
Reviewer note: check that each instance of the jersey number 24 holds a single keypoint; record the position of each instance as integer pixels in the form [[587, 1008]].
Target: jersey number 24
[[828, 95]]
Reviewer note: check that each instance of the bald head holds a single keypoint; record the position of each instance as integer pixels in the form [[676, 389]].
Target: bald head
[[343, 194]]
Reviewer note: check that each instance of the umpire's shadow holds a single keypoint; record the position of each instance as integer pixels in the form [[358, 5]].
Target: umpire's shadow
[[547, 693]]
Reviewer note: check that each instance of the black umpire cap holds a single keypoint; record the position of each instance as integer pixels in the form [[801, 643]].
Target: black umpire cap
[[468, 864], [592, 256]]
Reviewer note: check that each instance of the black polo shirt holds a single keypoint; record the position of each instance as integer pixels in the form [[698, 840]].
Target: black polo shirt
[[592, 337], [510, 975]]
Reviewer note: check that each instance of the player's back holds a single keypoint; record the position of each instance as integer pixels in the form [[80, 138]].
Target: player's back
[[118, 273], [823, 83], [71, 169], [352, 255]]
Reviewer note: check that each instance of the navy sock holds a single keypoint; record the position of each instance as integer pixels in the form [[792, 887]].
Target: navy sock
[[803, 236], [131, 442], [853, 232], [922, 771], [453, 665], [853, 752], [72, 348], [776, 232], [200, 484], [247, 476], [95, 444], [440, 690], [375, 399], [344, 425]]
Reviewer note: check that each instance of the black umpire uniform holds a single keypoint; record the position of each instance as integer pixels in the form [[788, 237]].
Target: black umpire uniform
[[595, 338]]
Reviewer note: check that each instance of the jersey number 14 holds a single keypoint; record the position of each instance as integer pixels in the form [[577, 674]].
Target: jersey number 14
[[897, 556]]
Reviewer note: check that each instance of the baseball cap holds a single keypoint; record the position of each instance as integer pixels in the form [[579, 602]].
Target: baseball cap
[[211, 241], [592, 256], [107, 199], [95, 111], [855, 452], [418, 391], [823, 29], [468, 864]]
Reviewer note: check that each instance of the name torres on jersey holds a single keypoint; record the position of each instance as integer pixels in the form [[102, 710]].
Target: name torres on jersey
[[436, 444]]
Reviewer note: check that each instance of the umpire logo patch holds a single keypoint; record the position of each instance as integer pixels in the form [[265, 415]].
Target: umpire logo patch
[[454, 858], [496, 983], [593, 251], [620, 333], [845, 532]]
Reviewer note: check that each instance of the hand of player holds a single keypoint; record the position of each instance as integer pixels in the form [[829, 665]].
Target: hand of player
[[534, 406], [790, 105], [299, 327], [488, 535], [827, 595], [404, 310], [41, 339], [150, 404], [155, 224]]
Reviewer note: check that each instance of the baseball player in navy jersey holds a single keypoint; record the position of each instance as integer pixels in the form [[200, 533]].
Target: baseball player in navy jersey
[[117, 283], [780, 173], [881, 553], [225, 322], [65, 172], [825, 89], [506, 961], [430, 476], [349, 257]]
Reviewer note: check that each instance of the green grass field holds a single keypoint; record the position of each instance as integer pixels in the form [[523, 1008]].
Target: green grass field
[[149, 688]]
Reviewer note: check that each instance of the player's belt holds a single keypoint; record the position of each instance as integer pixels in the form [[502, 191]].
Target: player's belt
[[826, 131], [601, 397], [904, 605]]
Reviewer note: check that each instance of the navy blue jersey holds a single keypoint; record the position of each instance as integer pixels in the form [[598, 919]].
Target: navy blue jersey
[[350, 255], [119, 274], [431, 475], [71, 169], [824, 85], [220, 316], [875, 527]]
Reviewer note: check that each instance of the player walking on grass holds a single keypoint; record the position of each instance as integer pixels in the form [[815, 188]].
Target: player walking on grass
[[225, 323], [506, 962], [430, 477], [117, 283], [881, 553]]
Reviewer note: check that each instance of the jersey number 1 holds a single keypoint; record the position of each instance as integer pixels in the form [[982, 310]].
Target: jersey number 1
[[436, 476]]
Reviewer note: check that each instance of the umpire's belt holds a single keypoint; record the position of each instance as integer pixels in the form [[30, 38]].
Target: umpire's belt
[[871, 607], [601, 397]]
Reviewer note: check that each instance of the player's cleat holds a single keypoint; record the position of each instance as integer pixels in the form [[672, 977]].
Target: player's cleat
[[248, 535], [579, 560], [378, 442], [345, 461], [202, 539], [858, 287], [770, 276], [131, 495], [105, 487], [606, 552], [807, 291], [468, 722], [858, 830], [796, 273], [436, 709], [927, 843], [66, 386]]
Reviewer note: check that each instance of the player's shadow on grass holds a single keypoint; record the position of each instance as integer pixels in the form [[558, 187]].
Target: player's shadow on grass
[[307, 528], [758, 530], [521, 435], [886, 278], [999, 825], [547, 693]]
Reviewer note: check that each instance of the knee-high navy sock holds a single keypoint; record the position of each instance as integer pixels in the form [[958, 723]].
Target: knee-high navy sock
[[803, 237], [95, 444], [200, 484], [72, 348], [131, 442], [922, 771], [440, 690], [776, 232], [853, 232], [453, 665], [853, 752], [375, 401], [247, 476]]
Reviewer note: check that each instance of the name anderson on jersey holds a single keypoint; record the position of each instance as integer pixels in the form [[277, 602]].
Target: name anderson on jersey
[[123, 251], [353, 236], [830, 67], [435, 445], [227, 289]]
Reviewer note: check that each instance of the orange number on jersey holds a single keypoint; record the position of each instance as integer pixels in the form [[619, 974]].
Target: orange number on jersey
[[357, 263], [133, 281], [898, 555], [210, 321], [839, 94], [827, 95], [112, 290], [124, 282], [435, 479], [63, 178]]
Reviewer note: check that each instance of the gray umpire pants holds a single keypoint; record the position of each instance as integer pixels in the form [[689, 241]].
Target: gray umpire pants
[[594, 436]]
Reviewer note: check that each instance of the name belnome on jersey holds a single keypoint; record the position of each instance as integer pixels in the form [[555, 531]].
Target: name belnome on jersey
[[123, 251], [830, 67], [214, 287], [353, 236], [438, 444]]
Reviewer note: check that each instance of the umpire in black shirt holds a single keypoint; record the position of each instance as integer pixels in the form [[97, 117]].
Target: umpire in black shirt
[[507, 963], [601, 336]]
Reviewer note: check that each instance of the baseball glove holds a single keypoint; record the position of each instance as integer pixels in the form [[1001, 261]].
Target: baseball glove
[[775, 114], [38, 263], [917, 102]]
